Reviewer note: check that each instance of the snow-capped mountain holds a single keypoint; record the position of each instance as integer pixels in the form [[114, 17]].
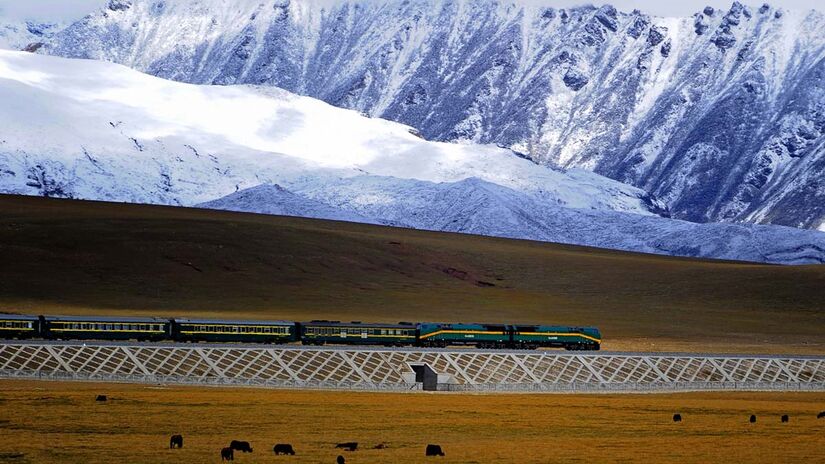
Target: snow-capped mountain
[[478, 207], [721, 115], [96, 130]]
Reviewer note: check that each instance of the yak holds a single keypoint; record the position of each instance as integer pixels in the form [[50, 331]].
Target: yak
[[349, 446], [238, 445], [434, 450], [176, 441], [283, 448]]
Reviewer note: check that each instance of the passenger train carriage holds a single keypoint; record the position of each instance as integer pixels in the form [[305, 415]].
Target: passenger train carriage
[[108, 328], [216, 330], [428, 334], [19, 326], [357, 333]]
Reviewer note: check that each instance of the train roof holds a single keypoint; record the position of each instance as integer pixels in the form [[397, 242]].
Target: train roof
[[147, 320], [375, 325], [231, 322], [18, 317]]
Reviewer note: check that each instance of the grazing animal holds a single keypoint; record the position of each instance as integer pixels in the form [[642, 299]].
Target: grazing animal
[[349, 446], [677, 418], [820, 415], [434, 450], [227, 454], [176, 441], [240, 446], [101, 398], [380, 446], [340, 460], [283, 448], [785, 418], [753, 419]]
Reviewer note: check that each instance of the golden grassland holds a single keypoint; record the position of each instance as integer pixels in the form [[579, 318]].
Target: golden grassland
[[50, 422], [78, 257]]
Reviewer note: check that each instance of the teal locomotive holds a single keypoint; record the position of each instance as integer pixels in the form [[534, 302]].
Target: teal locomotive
[[318, 332]]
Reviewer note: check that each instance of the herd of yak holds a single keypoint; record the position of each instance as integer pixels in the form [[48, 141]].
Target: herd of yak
[[784, 418], [228, 453]]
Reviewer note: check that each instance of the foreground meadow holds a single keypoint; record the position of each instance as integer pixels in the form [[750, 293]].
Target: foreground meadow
[[44, 422]]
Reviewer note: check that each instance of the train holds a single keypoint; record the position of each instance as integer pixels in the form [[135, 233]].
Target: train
[[316, 332]]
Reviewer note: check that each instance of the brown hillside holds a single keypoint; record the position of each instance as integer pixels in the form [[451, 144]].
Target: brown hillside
[[68, 256]]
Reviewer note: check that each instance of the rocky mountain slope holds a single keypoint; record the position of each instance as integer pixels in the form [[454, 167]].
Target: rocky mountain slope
[[26, 35], [721, 115]]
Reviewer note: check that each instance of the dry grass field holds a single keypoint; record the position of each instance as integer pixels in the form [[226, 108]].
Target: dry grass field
[[46, 422], [78, 257]]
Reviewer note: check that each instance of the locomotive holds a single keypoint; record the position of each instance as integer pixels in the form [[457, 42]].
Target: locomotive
[[317, 332]]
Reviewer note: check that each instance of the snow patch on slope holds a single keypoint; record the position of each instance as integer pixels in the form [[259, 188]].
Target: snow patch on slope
[[89, 129], [276, 200]]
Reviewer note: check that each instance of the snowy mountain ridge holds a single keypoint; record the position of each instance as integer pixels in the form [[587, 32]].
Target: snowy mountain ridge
[[721, 115], [474, 206]]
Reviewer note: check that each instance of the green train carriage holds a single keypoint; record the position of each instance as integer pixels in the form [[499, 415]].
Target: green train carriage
[[480, 335], [19, 326], [105, 328], [549, 336], [357, 333], [234, 331]]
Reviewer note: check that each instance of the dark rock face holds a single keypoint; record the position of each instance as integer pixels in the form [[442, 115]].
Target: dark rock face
[[119, 5], [656, 36], [665, 50], [639, 24], [700, 26], [724, 137], [575, 79]]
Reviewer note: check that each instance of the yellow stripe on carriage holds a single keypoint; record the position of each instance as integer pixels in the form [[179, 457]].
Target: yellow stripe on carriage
[[472, 332], [560, 334]]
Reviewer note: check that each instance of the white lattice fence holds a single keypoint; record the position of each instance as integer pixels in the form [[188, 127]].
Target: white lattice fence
[[386, 369]]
